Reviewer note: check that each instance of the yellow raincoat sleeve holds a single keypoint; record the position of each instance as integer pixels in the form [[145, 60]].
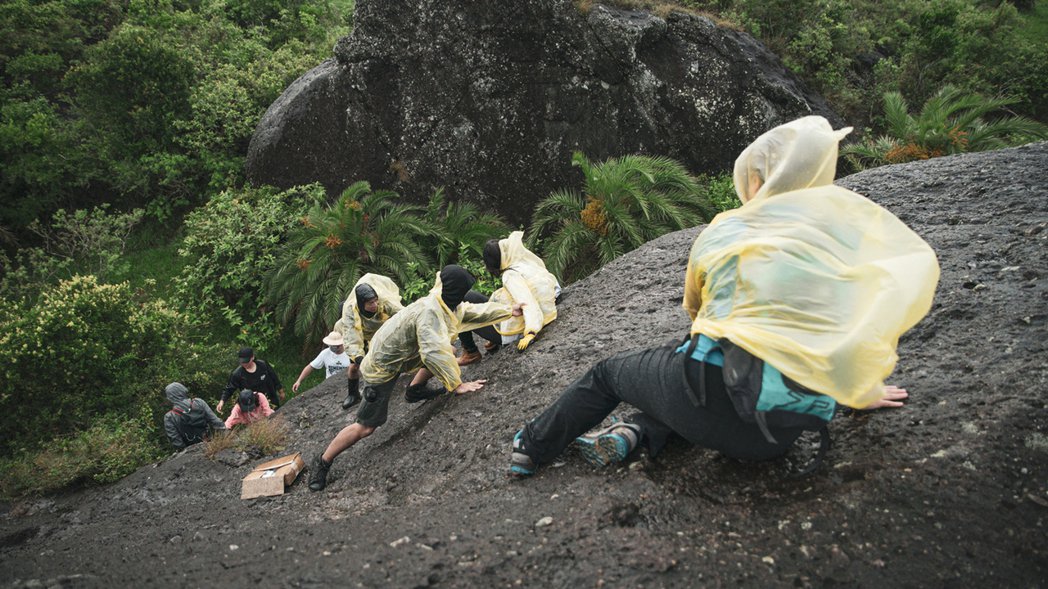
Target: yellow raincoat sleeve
[[434, 346], [351, 330], [472, 316], [520, 291]]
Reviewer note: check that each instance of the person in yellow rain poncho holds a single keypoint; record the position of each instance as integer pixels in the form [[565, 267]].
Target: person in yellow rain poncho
[[419, 336], [375, 298], [797, 301], [525, 280]]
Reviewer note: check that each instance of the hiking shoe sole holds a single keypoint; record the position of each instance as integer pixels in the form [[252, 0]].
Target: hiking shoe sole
[[609, 445]]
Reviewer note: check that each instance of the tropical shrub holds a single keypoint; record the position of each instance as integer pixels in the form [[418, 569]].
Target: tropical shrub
[[624, 202], [334, 245], [144, 103], [950, 122], [231, 243], [459, 227]]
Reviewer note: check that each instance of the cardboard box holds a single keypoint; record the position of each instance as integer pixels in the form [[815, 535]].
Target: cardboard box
[[270, 478]]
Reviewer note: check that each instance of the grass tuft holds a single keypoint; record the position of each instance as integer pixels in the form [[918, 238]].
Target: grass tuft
[[262, 438]]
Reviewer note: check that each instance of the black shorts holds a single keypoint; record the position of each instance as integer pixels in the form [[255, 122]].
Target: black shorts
[[374, 413]]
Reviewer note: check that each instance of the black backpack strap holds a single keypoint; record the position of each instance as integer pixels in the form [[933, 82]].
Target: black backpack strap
[[696, 390], [824, 446]]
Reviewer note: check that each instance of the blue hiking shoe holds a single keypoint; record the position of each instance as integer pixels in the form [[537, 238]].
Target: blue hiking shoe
[[520, 464], [609, 445]]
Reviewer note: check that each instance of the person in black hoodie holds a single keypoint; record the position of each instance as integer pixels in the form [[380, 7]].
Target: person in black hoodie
[[189, 420], [255, 375]]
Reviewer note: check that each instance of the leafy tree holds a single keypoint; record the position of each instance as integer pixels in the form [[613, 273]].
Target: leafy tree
[[951, 121], [624, 203], [115, 353], [363, 231], [231, 243]]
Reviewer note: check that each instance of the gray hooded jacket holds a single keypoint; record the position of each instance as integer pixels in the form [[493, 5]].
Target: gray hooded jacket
[[189, 419]]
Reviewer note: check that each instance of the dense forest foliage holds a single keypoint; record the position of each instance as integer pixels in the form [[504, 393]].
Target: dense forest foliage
[[133, 254]]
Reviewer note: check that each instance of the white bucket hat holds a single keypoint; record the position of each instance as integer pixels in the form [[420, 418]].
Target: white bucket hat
[[334, 339]]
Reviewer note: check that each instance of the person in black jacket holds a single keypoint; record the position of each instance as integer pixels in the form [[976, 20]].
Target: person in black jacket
[[255, 375], [189, 420]]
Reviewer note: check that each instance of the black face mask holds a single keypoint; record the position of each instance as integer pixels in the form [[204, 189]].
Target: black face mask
[[493, 257], [455, 283], [364, 293]]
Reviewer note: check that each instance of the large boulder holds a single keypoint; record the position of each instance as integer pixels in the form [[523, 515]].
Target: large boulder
[[489, 99]]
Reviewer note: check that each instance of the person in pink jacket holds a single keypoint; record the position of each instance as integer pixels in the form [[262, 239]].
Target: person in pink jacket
[[250, 407]]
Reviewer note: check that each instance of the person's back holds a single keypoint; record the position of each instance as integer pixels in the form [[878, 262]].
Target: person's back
[[190, 419]]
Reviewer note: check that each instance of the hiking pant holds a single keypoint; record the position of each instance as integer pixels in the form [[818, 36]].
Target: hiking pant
[[653, 381], [487, 332]]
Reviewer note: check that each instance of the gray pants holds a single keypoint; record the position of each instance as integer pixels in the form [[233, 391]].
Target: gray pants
[[374, 410], [653, 381]]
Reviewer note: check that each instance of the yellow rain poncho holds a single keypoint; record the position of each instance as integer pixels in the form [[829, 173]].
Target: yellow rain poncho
[[525, 280], [357, 328], [421, 334], [814, 279]]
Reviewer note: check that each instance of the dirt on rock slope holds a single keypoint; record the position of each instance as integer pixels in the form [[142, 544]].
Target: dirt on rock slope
[[951, 490]]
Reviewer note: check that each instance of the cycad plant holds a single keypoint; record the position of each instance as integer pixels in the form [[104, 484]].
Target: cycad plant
[[459, 226], [951, 121], [363, 231], [624, 203]]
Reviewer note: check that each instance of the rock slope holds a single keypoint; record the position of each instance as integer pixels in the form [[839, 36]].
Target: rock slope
[[951, 490]]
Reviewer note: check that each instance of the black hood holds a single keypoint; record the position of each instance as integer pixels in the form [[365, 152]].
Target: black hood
[[364, 293], [455, 283]]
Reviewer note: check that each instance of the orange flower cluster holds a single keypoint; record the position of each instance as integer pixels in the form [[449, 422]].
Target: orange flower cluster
[[303, 264], [332, 242], [910, 152], [594, 217]]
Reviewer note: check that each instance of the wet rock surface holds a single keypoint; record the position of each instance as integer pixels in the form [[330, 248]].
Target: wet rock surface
[[951, 490], [490, 99]]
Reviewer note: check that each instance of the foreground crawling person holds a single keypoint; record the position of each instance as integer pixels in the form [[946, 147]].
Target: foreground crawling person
[[419, 336], [797, 301], [375, 298]]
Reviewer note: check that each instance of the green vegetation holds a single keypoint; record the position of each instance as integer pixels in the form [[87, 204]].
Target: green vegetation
[[853, 51], [624, 203], [950, 122]]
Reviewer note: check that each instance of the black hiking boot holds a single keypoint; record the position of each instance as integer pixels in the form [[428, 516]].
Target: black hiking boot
[[350, 400], [318, 471]]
